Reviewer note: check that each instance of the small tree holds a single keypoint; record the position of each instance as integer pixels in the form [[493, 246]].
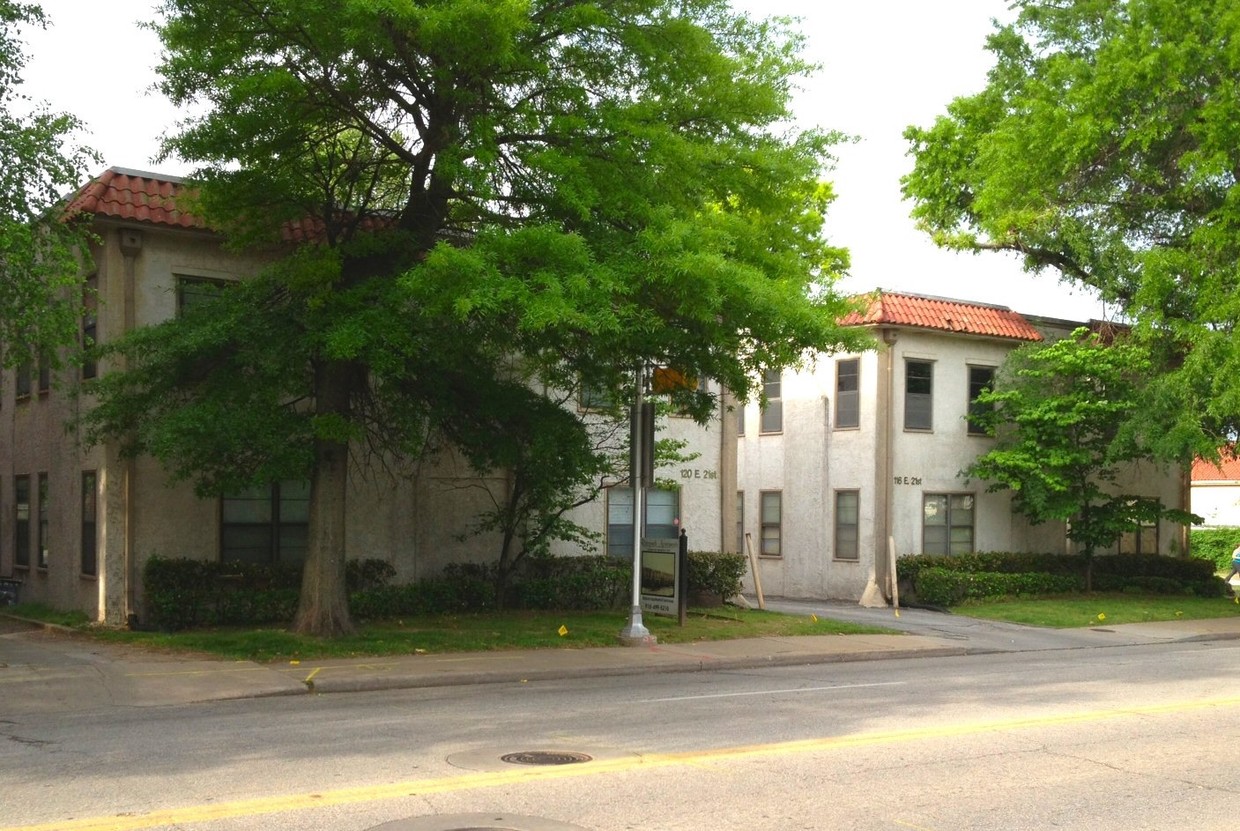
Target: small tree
[[1062, 415]]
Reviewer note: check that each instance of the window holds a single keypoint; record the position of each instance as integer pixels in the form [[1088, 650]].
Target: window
[[740, 522], [592, 398], [193, 291], [847, 394], [981, 379], [45, 373], [773, 412], [740, 418], [948, 523], [661, 518], [40, 544], [1143, 539], [772, 530], [21, 528], [266, 524], [22, 384], [847, 525], [90, 514], [918, 385], [90, 325]]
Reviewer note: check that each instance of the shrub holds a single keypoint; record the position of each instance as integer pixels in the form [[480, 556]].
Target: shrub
[[714, 573], [585, 583], [1214, 545], [182, 593], [948, 587], [943, 581], [362, 575]]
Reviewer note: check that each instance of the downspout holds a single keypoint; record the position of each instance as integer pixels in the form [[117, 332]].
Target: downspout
[[878, 590], [727, 472], [131, 247], [889, 339]]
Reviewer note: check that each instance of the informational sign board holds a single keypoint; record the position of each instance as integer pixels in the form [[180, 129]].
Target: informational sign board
[[660, 576]]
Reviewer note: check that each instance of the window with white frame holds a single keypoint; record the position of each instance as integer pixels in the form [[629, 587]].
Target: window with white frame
[[773, 410], [661, 518], [847, 525], [847, 394], [740, 522], [771, 510], [918, 395], [947, 524]]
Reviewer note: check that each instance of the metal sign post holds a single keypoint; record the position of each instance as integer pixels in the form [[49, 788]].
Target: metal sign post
[[636, 634]]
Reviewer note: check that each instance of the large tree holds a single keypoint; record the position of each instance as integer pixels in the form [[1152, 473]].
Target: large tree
[[1106, 146], [1066, 437], [40, 286], [501, 197]]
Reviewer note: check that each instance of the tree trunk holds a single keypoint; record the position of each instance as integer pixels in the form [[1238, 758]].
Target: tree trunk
[[323, 609]]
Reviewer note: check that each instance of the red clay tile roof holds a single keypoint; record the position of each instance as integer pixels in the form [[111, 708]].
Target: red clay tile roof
[[150, 198], [888, 308], [1226, 470]]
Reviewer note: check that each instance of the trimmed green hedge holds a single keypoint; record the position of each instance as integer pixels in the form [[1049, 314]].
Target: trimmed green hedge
[[946, 581], [182, 594], [948, 587], [716, 574], [1214, 545]]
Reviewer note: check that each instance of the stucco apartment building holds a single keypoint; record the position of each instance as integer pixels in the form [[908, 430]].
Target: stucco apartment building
[[78, 524], [859, 453]]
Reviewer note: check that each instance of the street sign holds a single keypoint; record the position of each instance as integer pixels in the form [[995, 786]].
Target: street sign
[[660, 576]]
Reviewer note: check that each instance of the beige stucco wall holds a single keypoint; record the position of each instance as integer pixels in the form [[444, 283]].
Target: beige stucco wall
[[810, 460], [413, 516]]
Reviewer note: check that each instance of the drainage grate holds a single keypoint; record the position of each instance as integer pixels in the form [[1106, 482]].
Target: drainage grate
[[545, 757]]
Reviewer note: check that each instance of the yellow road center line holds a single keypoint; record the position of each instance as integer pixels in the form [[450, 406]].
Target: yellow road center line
[[473, 781]]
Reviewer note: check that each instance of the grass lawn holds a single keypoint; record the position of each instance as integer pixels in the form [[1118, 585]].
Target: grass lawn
[[1100, 609], [465, 633]]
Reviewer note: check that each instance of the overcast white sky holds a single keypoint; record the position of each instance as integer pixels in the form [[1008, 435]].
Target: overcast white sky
[[886, 64]]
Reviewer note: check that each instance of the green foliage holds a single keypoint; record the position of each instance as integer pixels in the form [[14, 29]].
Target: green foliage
[[1063, 417], [511, 197], [1214, 545], [183, 593], [41, 293], [715, 573], [949, 587], [1105, 146], [947, 581], [581, 583]]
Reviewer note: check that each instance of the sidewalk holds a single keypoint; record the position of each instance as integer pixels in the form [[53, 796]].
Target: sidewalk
[[44, 669]]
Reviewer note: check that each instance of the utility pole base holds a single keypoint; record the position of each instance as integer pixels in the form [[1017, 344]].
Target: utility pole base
[[647, 639]]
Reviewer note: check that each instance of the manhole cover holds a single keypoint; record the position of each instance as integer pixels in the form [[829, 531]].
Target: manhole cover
[[545, 757]]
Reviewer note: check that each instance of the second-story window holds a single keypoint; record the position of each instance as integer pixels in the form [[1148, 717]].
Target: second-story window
[[191, 291], [773, 411], [90, 325], [847, 393], [981, 379], [918, 395]]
